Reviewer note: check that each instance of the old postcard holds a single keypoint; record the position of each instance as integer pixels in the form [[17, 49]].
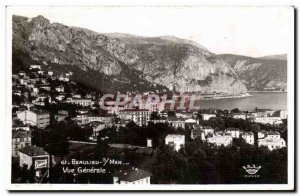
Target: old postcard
[[150, 98]]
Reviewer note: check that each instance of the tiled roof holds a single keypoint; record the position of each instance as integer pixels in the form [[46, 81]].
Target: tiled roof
[[33, 151], [20, 134], [133, 175]]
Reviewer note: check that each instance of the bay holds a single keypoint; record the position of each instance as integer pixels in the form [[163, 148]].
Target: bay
[[262, 100]]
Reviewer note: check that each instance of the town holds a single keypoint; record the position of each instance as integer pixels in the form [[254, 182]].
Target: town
[[56, 119]]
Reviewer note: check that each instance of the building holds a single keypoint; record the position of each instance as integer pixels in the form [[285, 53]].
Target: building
[[81, 101], [268, 120], [207, 116], [176, 122], [175, 140], [97, 127], [197, 132], [190, 123], [132, 176], [283, 114], [60, 117], [60, 89], [37, 118], [140, 116], [35, 67], [248, 137], [201, 131], [36, 157], [234, 132], [98, 118], [220, 140], [20, 139], [272, 143], [272, 135], [239, 116]]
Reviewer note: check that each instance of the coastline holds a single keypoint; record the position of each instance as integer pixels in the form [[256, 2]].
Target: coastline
[[226, 96], [267, 91]]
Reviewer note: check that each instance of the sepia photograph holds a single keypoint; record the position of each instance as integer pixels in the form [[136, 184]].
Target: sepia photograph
[[150, 98]]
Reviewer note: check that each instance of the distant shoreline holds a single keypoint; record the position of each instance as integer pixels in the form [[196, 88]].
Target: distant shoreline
[[226, 96], [267, 91]]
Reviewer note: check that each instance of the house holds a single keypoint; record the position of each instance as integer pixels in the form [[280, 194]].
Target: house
[[60, 117], [239, 116], [132, 176], [207, 116], [35, 157], [189, 123], [60, 89], [99, 118], [283, 114], [140, 116], [81, 101], [248, 137], [176, 122], [220, 140], [268, 120], [20, 139], [50, 73], [38, 67], [272, 135], [97, 127], [175, 140], [45, 87], [41, 72], [272, 143], [201, 131], [234, 132], [161, 120], [37, 118], [197, 132], [41, 97]]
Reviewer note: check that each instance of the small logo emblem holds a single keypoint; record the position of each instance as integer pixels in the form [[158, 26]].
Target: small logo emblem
[[251, 170]]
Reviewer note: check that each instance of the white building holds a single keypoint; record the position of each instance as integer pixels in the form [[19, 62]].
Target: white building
[[207, 116], [283, 114], [268, 120], [240, 116], [220, 140], [175, 140], [272, 143], [202, 132], [248, 137], [234, 132], [140, 116], [81, 101], [37, 118], [20, 139], [35, 67], [132, 176]]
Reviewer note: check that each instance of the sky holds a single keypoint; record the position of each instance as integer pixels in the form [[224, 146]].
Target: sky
[[250, 31]]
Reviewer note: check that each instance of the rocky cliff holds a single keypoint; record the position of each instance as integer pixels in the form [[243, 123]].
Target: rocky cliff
[[260, 74], [121, 62]]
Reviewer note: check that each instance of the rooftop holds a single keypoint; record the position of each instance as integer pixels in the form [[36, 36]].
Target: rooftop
[[133, 175], [33, 151], [220, 138], [134, 110], [175, 137], [20, 134]]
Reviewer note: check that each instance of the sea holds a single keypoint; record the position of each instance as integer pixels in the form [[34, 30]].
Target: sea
[[261, 100]]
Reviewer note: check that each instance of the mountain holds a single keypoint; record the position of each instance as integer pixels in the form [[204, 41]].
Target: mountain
[[268, 73], [282, 57], [122, 62]]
